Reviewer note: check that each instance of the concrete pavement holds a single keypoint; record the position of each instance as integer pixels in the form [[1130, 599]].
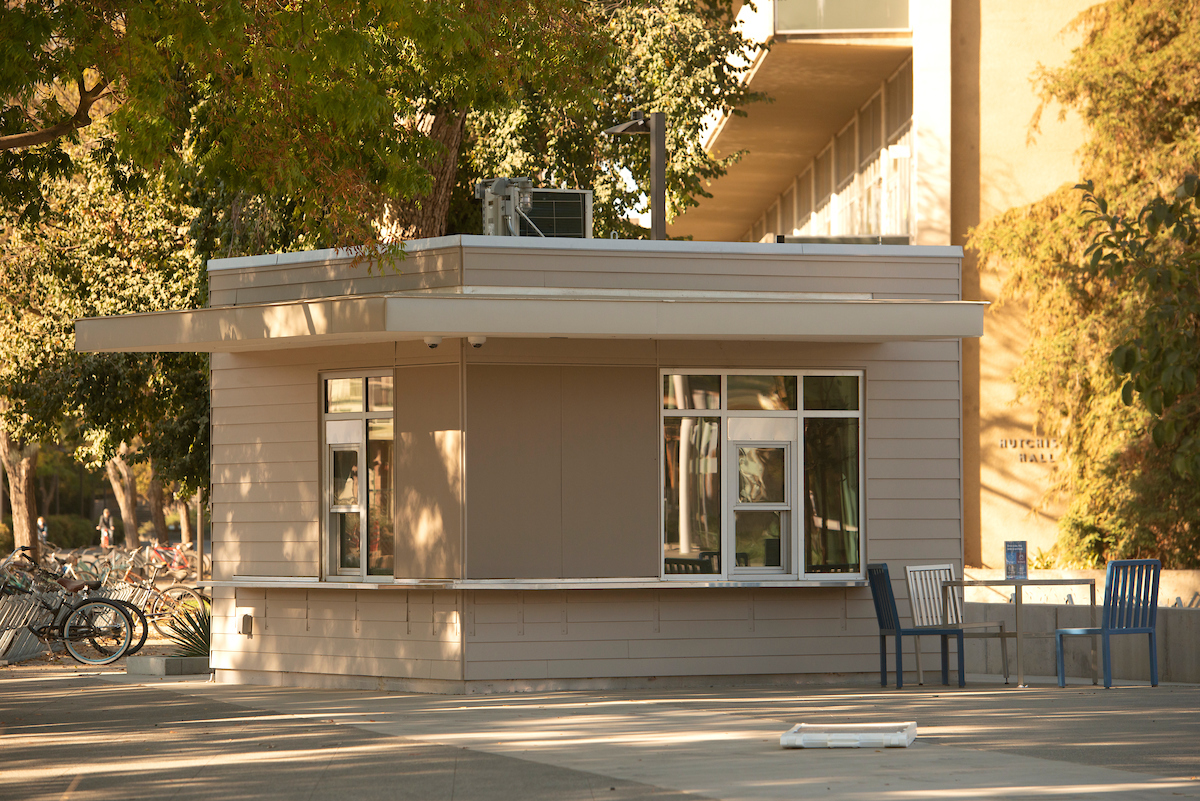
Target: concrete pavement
[[71, 735]]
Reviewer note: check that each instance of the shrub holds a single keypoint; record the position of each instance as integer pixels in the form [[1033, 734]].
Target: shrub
[[191, 631]]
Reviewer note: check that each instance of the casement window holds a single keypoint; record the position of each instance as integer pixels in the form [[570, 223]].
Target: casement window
[[358, 494], [762, 474]]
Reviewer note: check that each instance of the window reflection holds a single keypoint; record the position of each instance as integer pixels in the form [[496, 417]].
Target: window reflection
[[346, 525], [343, 395], [761, 475], [772, 393], [691, 392], [831, 392], [380, 528], [831, 495], [692, 535], [345, 478], [380, 392], [758, 539]]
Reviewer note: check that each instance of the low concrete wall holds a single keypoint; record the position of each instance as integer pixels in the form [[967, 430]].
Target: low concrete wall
[[1174, 586], [1178, 643]]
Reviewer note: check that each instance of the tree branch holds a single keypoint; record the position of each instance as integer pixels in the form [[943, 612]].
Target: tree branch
[[81, 119]]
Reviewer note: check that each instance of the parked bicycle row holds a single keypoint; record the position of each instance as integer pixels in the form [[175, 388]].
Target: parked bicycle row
[[96, 621], [182, 562]]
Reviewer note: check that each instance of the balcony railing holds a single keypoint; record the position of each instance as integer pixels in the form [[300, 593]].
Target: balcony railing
[[810, 16]]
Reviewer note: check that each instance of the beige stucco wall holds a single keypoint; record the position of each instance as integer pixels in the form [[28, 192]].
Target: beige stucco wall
[[999, 163]]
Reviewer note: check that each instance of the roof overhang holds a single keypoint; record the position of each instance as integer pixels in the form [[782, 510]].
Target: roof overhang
[[383, 318]]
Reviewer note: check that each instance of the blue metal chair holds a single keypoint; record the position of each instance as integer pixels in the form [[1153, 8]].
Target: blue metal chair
[[1130, 607], [889, 625]]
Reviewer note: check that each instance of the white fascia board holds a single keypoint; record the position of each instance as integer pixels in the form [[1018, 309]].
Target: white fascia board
[[641, 318], [393, 318]]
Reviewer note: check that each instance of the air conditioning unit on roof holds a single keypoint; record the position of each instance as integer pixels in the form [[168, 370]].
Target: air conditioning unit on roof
[[513, 207]]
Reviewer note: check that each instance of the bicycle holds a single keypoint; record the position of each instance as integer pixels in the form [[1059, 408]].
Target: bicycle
[[94, 631], [159, 605]]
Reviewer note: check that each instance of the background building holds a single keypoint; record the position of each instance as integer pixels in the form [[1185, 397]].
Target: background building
[[898, 118]]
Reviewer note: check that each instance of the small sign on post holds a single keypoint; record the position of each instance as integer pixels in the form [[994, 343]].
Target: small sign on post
[[1016, 565]]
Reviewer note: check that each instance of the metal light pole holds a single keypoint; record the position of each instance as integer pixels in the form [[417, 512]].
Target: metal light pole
[[656, 126]]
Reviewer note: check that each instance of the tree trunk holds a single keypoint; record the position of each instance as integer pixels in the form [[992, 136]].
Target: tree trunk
[[157, 508], [20, 463], [124, 485], [185, 520], [426, 216]]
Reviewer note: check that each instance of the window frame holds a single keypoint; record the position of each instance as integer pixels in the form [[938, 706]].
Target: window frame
[[330, 556], [793, 552]]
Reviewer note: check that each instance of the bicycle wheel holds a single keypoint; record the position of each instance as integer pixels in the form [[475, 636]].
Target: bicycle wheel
[[174, 600], [97, 632], [141, 626]]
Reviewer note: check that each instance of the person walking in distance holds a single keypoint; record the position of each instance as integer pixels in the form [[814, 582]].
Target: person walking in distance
[[105, 528]]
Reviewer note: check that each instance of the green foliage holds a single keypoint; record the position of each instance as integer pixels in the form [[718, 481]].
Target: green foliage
[[313, 105], [107, 245], [191, 631], [1110, 310], [680, 57]]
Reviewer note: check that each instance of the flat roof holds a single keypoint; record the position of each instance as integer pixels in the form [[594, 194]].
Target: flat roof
[[613, 301], [629, 247]]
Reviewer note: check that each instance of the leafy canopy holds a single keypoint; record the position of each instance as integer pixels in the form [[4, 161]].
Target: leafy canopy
[[680, 57], [107, 245], [312, 102]]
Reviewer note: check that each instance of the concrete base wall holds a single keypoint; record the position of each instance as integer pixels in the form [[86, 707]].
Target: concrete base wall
[[1178, 644]]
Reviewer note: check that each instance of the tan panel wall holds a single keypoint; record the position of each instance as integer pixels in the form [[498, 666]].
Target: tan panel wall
[[514, 471], [609, 471], [584, 634], [412, 634], [265, 467], [429, 472]]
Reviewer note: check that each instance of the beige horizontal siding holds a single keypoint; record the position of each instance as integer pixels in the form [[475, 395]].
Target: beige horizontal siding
[[330, 279], [383, 633], [268, 532], [265, 472], [258, 492], [905, 488], [906, 468], [272, 413], [616, 633]]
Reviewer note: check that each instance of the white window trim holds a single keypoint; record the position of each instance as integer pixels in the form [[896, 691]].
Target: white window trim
[[793, 571], [330, 570]]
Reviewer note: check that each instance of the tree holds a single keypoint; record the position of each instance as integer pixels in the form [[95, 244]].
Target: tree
[[681, 57], [322, 104], [1133, 82], [108, 244]]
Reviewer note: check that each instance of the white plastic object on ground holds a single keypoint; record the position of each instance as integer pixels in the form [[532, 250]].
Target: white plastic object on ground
[[850, 735]]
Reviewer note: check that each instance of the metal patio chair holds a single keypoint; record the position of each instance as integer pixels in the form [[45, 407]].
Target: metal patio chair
[[925, 596], [889, 626], [1130, 607]]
